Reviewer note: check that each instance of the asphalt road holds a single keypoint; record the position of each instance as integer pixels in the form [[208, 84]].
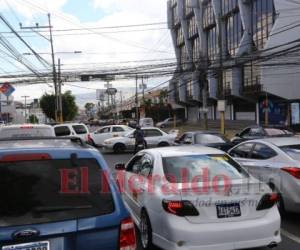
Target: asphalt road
[[290, 222]]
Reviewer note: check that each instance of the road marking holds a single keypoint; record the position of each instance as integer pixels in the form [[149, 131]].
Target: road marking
[[290, 236]]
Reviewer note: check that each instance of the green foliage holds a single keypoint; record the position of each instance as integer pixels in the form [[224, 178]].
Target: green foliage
[[70, 109], [33, 119]]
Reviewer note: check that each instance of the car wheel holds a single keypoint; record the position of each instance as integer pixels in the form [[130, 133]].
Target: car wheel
[[119, 148], [163, 144], [146, 231]]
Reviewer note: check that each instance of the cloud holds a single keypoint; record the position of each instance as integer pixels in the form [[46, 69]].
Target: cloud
[[102, 50]]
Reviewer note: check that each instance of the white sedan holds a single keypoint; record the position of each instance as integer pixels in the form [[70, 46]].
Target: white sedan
[[197, 198], [154, 137], [99, 136]]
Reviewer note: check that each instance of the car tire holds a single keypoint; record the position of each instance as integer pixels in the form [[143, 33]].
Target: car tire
[[119, 148], [163, 144], [146, 231]]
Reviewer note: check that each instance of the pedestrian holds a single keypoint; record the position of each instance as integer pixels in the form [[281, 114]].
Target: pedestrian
[[139, 139]]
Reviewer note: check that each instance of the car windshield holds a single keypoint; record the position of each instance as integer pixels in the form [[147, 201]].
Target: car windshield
[[34, 193], [25, 132], [208, 138], [293, 151], [192, 166]]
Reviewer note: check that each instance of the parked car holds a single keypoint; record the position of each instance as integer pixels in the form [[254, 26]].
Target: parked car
[[257, 132], [73, 129], [99, 136], [205, 138], [26, 130], [276, 162], [146, 122], [169, 122], [42, 213], [154, 137], [168, 210]]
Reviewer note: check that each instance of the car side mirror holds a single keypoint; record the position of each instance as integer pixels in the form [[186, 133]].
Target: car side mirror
[[120, 166]]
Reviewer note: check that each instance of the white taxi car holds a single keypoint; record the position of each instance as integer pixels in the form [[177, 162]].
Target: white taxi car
[[197, 198]]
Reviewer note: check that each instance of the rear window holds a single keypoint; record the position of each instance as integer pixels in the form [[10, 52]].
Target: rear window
[[32, 192], [195, 165], [207, 138], [25, 132], [293, 151], [62, 131], [79, 129]]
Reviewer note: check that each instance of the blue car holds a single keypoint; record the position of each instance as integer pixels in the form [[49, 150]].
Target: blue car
[[58, 194]]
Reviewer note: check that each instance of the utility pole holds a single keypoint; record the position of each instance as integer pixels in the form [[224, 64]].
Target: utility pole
[[52, 55], [136, 100], [267, 110], [25, 104], [59, 82]]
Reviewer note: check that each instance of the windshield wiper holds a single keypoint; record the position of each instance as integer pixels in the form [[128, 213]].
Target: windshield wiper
[[51, 209]]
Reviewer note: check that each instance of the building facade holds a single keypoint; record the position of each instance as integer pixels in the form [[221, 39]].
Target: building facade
[[243, 51]]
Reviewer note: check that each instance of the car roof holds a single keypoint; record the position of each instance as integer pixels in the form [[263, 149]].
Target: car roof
[[32, 143], [69, 124], [184, 150], [17, 126], [281, 141], [203, 132]]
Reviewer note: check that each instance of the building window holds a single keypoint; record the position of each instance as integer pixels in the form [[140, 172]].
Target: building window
[[263, 17], [196, 49], [208, 15], [192, 26], [229, 6], [180, 37], [187, 7], [251, 75], [227, 80], [175, 15], [234, 32], [212, 41], [183, 57], [189, 88]]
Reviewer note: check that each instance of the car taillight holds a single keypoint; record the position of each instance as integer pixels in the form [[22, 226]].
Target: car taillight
[[127, 235], [180, 208], [292, 171], [267, 201]]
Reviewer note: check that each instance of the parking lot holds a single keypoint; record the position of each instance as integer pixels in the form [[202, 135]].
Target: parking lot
[[290, 223]]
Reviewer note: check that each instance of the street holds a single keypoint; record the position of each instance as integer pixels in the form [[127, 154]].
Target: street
[[290, 223]]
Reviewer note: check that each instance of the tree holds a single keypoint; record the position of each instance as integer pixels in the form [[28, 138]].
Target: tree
[[89, 107], [70, 109], [33, 119]]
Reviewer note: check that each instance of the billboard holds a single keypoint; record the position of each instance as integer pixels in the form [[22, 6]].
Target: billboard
[[7, 89]]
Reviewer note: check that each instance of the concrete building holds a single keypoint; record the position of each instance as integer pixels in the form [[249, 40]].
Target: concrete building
[[243, 51]]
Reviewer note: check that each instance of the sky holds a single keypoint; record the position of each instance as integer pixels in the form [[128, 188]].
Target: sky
[[100, 47]]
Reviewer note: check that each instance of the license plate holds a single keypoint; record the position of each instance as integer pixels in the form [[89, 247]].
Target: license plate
[[228, 210], [42, 245]]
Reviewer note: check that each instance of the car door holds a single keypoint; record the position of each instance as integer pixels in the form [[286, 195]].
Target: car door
[[118, 131], [242, 154], [152, 137], [261, 162], [132, 171], [101, 135], [144, 176]]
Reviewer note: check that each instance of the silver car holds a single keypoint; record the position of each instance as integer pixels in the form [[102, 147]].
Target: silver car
[[154, 137], [275, 161], [197, 210]]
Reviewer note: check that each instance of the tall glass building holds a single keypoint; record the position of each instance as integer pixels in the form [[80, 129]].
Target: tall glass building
[[243, 51]]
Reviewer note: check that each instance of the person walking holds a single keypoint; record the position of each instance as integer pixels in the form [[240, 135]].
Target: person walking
[[139, 139]]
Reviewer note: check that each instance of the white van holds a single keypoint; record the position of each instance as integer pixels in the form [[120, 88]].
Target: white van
[[146, 122], [73, 129], [26, 130]]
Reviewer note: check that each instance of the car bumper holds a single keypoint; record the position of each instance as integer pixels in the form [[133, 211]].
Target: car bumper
[[107, 149], [182, 235]]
